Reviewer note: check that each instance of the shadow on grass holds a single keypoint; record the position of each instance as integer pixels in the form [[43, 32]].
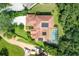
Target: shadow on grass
[[20, 36], [29, 39]]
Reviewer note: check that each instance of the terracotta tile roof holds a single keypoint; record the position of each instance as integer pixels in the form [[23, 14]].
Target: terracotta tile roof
[[44, 17], [32, 17]]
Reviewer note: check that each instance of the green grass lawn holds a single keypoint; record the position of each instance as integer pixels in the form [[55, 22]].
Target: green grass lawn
[[22, 35], [20, 32], [56, 18], [12, 49], [42, 8]]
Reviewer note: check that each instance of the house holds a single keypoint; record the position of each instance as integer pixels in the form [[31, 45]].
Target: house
[[40, 26]]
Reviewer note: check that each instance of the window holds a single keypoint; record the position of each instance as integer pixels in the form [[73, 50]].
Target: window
[[43, 33], [40, 39], [44, 24], [29, 27]]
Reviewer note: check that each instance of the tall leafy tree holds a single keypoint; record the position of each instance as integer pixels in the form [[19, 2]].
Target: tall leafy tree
[[69, 18], [5, 21], [4, 52]]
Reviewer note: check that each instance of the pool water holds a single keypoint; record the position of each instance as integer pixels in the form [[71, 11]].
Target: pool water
[[54, 35]]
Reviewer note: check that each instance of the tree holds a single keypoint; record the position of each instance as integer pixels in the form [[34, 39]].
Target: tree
[[69, 20], [4, 52], [21, 26], [3, 5], [5, 22], [0, 37]]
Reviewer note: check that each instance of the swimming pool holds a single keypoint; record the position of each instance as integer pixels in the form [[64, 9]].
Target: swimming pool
[[54, 35]]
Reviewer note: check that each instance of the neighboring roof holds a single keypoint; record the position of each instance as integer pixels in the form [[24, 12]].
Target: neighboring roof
[[19, 20]]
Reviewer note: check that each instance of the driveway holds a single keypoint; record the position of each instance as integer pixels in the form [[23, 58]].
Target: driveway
[[18, 43]]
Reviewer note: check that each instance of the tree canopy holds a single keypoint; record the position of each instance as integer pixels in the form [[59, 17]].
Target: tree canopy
[[69, 18]]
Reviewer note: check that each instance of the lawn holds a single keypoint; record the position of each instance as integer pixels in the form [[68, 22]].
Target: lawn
[[20, 32], [56, 18], [41, 8], [12, 49], [23, 36]]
